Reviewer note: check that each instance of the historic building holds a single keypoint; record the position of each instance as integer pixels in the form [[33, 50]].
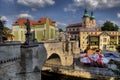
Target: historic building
[[104, 40], [87, 23], [43, 29], [91, 36]]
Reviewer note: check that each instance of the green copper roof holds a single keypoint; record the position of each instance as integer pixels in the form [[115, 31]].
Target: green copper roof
[[92, 15], [85, 13]]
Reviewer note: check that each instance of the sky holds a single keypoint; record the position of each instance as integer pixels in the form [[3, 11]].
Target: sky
[[64, 12]]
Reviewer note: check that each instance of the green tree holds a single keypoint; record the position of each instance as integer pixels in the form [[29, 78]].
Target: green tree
[[6, 31], [60, 30], [109, 26]]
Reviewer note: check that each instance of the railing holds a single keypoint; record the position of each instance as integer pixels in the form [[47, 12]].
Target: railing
[[9, 60]]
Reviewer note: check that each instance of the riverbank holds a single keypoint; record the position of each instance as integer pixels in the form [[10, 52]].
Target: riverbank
[[82, 72], [46, 75]]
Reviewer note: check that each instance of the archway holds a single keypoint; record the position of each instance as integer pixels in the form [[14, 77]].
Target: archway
[[54, 59]]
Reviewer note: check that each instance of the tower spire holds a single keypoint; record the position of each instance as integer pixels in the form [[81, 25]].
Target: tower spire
[[92, 15], [85, 13]]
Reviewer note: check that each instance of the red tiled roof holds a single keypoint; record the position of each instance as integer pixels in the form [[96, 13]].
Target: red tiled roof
[[43, 21], [22, 21], [75, 25]]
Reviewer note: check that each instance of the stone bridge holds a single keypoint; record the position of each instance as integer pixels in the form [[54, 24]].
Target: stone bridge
[[63, 50], [21, 62]]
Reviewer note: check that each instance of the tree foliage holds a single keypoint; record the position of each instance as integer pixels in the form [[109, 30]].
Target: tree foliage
[[60, 30], [6, 31], [109, 26]]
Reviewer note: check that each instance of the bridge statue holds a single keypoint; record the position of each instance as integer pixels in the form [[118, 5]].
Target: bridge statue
[[28, 34], [28, 28], [32, 57]]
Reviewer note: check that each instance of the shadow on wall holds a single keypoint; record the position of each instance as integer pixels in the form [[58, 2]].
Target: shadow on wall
[[42, 55]]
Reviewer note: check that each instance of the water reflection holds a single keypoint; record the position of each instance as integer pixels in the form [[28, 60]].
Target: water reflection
[[54, 76]]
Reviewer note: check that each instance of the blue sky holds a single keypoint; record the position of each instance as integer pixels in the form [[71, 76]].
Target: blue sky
[[64, 12]]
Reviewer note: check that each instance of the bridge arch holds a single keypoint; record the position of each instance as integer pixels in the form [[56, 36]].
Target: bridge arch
[[54, 59]]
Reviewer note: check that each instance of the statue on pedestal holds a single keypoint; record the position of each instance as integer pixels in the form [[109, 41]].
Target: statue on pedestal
[[28, 33], [29, 41]]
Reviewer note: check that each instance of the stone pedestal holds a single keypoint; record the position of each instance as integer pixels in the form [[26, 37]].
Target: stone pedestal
[[30, 63]]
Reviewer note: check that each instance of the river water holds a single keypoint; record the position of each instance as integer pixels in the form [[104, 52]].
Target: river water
[[54, 76]]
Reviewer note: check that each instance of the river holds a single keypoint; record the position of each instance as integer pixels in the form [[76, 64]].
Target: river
[[55, 76]]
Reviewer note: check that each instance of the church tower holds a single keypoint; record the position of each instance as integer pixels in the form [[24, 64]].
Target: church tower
[[86, 19], [92, 20]]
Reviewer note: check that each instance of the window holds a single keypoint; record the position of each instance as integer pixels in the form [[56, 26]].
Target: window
[[83, 42], [69, 29], [87, 42], [73, 29], [83, 37], [104, 39]]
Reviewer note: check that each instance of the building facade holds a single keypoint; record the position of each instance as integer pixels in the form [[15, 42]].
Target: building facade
[[87, 23], [43, 29], [91, 36], [104, 40]]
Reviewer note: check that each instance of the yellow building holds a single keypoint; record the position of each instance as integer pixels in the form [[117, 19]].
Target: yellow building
[[43, 29], [89, 35], [104, 40]]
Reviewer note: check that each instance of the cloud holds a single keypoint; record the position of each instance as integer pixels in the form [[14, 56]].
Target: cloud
[[62, 24], [24, 15], [33, 9], [116, 22], [36, 3], [92, 4], [118, 15], [71, 7], [3, 18], [100, 22]]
